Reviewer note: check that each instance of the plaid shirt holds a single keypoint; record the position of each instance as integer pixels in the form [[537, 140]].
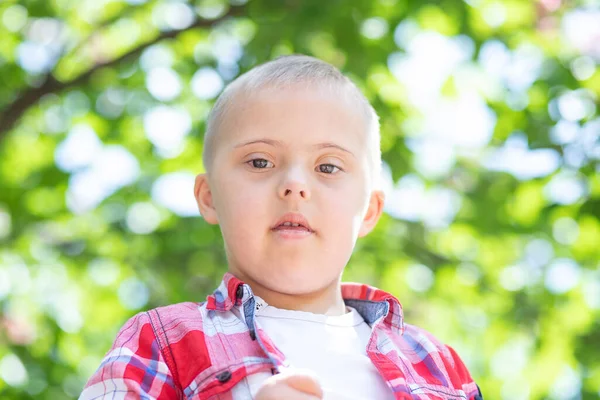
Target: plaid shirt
[[207, 350]]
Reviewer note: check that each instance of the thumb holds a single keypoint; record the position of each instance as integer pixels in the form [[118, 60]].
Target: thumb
[[304, 381]]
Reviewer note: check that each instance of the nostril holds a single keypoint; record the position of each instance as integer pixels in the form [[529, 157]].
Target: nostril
[[290, 192]]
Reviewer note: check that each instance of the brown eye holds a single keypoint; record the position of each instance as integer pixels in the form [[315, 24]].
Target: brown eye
[[327, 168], [260, 163]]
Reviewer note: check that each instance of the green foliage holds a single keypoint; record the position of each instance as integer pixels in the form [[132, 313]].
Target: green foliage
[[495, 252]]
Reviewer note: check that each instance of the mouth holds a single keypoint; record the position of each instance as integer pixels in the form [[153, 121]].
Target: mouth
[[293, 222], [291, 227]]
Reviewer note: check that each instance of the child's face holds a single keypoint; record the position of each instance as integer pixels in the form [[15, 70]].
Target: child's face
[[310, 158]]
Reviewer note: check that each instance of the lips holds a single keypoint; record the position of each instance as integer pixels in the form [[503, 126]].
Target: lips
[[291, 228], [292, 222]]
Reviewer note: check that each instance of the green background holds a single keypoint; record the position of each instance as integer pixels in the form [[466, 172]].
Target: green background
[[490, 135]]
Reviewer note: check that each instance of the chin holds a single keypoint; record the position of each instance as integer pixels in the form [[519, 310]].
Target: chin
[[295, 282]]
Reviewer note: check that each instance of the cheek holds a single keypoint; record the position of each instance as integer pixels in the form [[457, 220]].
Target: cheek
[[344, 214], [244, 210]]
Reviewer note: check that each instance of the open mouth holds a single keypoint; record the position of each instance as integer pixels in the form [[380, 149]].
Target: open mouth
[[293, 225], [289, 226]]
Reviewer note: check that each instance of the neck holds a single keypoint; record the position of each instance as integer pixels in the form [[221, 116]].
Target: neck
[[327, 301]]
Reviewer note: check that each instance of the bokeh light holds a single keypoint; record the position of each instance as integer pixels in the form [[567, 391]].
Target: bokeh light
[[490, 128]]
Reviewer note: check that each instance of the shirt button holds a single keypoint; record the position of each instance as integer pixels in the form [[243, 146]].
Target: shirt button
[[224, 376], [239, 293]]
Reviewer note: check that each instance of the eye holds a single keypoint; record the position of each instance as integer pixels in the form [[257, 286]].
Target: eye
[[327, 168], [260, 163]]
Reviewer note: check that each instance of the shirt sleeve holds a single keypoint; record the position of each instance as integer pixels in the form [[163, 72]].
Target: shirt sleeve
[[134, 368]]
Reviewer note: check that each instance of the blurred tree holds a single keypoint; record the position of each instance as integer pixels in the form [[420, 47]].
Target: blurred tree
[[490, 135]]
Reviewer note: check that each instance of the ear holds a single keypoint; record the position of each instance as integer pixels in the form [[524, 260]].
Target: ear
[[373, 212], [204, 199]]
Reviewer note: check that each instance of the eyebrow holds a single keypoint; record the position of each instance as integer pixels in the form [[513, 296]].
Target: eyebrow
[[329, 145], [277, 143]]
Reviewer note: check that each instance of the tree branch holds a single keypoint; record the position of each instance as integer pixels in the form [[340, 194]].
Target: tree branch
[[10, 116]]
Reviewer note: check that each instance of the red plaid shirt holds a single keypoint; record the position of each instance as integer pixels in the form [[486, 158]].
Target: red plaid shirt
[[207, 350]]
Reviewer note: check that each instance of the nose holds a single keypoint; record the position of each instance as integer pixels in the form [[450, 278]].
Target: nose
[[294, 186]]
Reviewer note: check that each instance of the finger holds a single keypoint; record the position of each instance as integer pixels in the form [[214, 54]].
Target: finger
[[305, 382], [281, 391]]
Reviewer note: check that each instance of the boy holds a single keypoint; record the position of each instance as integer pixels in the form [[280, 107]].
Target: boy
[[292, 163]]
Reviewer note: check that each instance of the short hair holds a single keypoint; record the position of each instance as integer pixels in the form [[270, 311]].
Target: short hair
[[284, 72]]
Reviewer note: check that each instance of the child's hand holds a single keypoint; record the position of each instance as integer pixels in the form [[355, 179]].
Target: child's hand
[[291, 385]]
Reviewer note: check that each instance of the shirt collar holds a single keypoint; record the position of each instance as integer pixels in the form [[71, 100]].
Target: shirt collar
[[370, 302]]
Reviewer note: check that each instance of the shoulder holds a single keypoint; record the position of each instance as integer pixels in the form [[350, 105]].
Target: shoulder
[[186, 315], [167, 324], [424, 340], [161, 328], [427, 344], [429, 356]]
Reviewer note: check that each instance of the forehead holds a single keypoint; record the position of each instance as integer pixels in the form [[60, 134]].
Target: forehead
[[296, 116]]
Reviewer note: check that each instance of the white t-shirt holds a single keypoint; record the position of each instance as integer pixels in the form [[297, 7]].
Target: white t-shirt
[[333, 347]]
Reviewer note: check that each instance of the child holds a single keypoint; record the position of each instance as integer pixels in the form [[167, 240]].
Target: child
[[292, 163]]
